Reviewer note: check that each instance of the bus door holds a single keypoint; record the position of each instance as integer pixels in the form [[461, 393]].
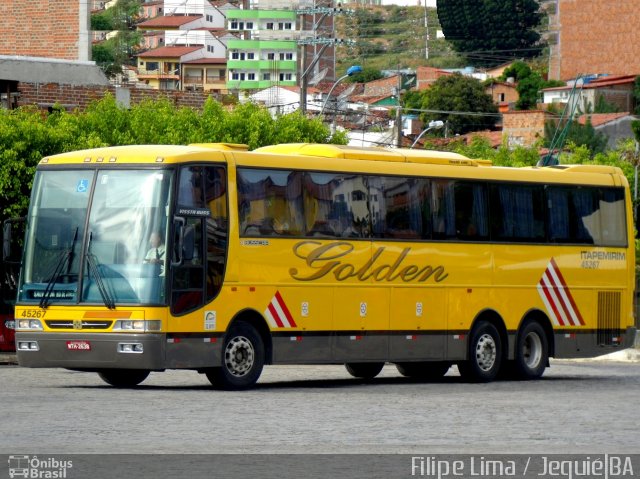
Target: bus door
[[199, 251]]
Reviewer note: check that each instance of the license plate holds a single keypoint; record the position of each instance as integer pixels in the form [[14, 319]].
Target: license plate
[[78, 345], [10, 324]]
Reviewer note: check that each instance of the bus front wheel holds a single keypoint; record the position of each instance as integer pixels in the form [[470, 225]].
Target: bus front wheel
[[364, 370], [485, 354], [123, 378], [242, 359]]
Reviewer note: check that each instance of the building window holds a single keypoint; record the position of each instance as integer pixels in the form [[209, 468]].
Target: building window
[[286, 56], [251, 76], [285, 76], [238, 76], [266, 76], [271, 56], [269, 25], [209, 18], [250, 56], [152, 66], [501, 97], [249, 25], [234, 25], [210, 48]]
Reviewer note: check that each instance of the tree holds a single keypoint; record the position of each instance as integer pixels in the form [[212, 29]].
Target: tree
[[636, 95], [366, 75], [528, 84], [28, 134], [489, 32], [458, 100]]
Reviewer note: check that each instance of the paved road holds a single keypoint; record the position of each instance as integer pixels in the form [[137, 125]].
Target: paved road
[[578, 407]]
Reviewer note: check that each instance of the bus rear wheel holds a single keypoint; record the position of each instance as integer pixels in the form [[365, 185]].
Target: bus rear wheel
[[242, 359], [532, 353], [364, 370], [123, 378], [485, 354], [424, 370]]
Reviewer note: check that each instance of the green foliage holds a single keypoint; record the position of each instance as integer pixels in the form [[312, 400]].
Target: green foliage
[[529, 84], [28, 134], [480, 148], [102, 21], [366, 75], [112, 54], [392, 37], [489, 31], [455, 93], [635, 126]]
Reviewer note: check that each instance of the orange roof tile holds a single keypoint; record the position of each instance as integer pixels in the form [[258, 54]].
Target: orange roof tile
[[598, 119], [169, 21], [169, 52]]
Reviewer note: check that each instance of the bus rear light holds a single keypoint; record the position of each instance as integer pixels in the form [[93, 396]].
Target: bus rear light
[[136, 348], [138, 325], [28, 325], [28, 346]]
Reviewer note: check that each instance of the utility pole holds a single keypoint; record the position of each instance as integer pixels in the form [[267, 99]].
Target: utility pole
[[321, 13], [399, 111], [426, 28]]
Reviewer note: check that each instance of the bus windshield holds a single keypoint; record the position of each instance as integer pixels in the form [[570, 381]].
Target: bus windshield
[[97, 237]]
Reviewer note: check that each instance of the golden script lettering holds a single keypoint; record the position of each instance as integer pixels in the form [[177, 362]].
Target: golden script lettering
[[330, 259]]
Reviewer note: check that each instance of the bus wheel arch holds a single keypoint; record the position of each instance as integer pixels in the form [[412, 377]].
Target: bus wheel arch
[[486, 350], [243, 355], [256, 320]]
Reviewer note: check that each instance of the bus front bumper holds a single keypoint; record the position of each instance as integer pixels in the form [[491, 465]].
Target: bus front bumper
[[91, 351]]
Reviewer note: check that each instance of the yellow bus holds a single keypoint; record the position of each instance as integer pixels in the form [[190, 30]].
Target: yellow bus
[[214, 258]]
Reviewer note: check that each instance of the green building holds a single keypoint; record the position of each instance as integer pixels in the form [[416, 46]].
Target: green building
[[267, 54]]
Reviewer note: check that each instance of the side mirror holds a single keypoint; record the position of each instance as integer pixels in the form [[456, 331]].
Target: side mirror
[[11, 250]]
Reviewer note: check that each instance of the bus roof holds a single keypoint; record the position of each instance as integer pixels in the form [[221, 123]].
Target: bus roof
[[141, 154], [332, 157], [372, 153]]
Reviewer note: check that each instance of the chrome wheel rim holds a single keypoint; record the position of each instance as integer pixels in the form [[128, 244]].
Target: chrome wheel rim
[[486, 352], [239, 356], [532, 350]]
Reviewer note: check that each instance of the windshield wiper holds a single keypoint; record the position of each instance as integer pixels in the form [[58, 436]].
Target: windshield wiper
[[64, 260], [94, 270]]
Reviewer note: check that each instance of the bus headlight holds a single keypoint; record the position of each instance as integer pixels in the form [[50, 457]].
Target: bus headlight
[[28, 325], [138, 325]]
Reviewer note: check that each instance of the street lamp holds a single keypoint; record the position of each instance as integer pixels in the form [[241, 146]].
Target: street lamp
[[350, 72], [433, 125]]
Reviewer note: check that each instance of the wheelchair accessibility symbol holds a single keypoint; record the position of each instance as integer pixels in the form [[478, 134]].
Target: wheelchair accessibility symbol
[[82, 186]]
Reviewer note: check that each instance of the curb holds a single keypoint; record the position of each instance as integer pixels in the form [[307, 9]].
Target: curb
[[8, 359]]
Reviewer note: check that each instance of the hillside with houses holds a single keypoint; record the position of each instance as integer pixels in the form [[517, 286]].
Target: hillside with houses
[[293, 56]]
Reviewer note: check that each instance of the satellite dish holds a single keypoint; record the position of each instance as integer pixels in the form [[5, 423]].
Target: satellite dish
[[347, 92], [318, 77]]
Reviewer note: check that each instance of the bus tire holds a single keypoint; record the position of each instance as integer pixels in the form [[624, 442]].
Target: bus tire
[[532, 352], [485, 354], [429, 370], [364, 370], [123, 378], [242, 359]]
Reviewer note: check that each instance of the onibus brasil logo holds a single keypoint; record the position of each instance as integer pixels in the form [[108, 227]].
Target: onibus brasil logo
[[36, 468]]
